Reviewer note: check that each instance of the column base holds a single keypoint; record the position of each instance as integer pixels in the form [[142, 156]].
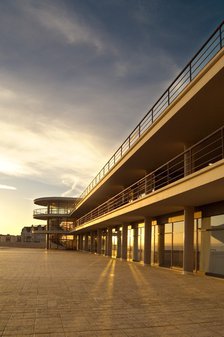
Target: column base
[[184, 272]]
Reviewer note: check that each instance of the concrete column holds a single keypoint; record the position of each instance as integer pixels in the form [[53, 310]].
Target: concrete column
[[48, 235], [124, 243], [205, 244], [188, 264], [99, 240], [106, 242], [147, 241], [118, 243], [80, 242], [109, 241], [161, 230], [48, 228], [75, 242], [135, 243], [86, 242], [92, 242]]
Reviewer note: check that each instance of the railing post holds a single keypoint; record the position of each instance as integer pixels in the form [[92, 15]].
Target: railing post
[[145, 184], [220, 37], [152, 115], [168, 96], [222, 139], [190, 72], [168, 174], [139, 130], [187, 162]]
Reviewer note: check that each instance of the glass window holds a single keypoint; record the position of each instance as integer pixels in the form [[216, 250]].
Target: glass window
[[197, 243], [168, 243], [103, 244], [178, 244], [216, 261], [114, 245], [168, 227]]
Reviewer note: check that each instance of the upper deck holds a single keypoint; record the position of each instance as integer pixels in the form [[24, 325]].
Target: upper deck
[[190, 109], [54, 207]]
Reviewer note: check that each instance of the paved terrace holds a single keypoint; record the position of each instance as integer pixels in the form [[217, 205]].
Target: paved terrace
[[67, 293]]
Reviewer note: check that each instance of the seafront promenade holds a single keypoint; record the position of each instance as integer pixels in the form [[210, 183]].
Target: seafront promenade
[[73, 294]]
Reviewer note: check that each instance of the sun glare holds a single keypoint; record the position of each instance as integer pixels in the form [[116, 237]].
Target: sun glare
[[7, 187], [7, 166]]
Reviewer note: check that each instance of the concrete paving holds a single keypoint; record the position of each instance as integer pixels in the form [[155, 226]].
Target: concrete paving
[[73, 294]]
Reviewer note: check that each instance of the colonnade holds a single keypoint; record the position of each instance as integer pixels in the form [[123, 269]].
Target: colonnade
[[100, 241]]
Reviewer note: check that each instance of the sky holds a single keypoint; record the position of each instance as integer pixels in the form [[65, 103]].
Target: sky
[[76, 78]]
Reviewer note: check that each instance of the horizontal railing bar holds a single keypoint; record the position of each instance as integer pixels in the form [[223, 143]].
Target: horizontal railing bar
[[208, 46], [52, 211], [204, 59]]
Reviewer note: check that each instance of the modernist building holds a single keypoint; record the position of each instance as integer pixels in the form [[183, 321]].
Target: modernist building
[[56, 211], [159, 199]]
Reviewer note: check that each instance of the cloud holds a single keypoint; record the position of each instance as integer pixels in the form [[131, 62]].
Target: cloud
[[12, 166], [53, 156], [65, 134], [71, 182], [59, 22], [7, 187], [72, 89], [6, 94]]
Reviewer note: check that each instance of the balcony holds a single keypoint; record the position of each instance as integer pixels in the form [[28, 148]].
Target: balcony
[[51, 213], [203, 154]]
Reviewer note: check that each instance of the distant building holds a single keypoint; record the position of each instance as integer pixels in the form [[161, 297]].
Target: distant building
[[31, 237], [33, 234], [4, 238]]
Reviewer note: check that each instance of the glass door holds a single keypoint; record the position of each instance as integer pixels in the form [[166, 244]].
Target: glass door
[[130, 244], [114, 245], [141, 232], [168, 244]]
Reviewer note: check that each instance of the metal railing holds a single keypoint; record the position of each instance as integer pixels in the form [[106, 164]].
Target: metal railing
[[204, 153], [209, 49], [53, 211]]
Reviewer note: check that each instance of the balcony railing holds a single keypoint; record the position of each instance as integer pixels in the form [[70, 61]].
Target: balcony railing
[[53, 211], [209, 49], [203, 154]]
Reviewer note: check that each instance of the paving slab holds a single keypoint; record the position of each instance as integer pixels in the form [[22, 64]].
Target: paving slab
[[75, 294]]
